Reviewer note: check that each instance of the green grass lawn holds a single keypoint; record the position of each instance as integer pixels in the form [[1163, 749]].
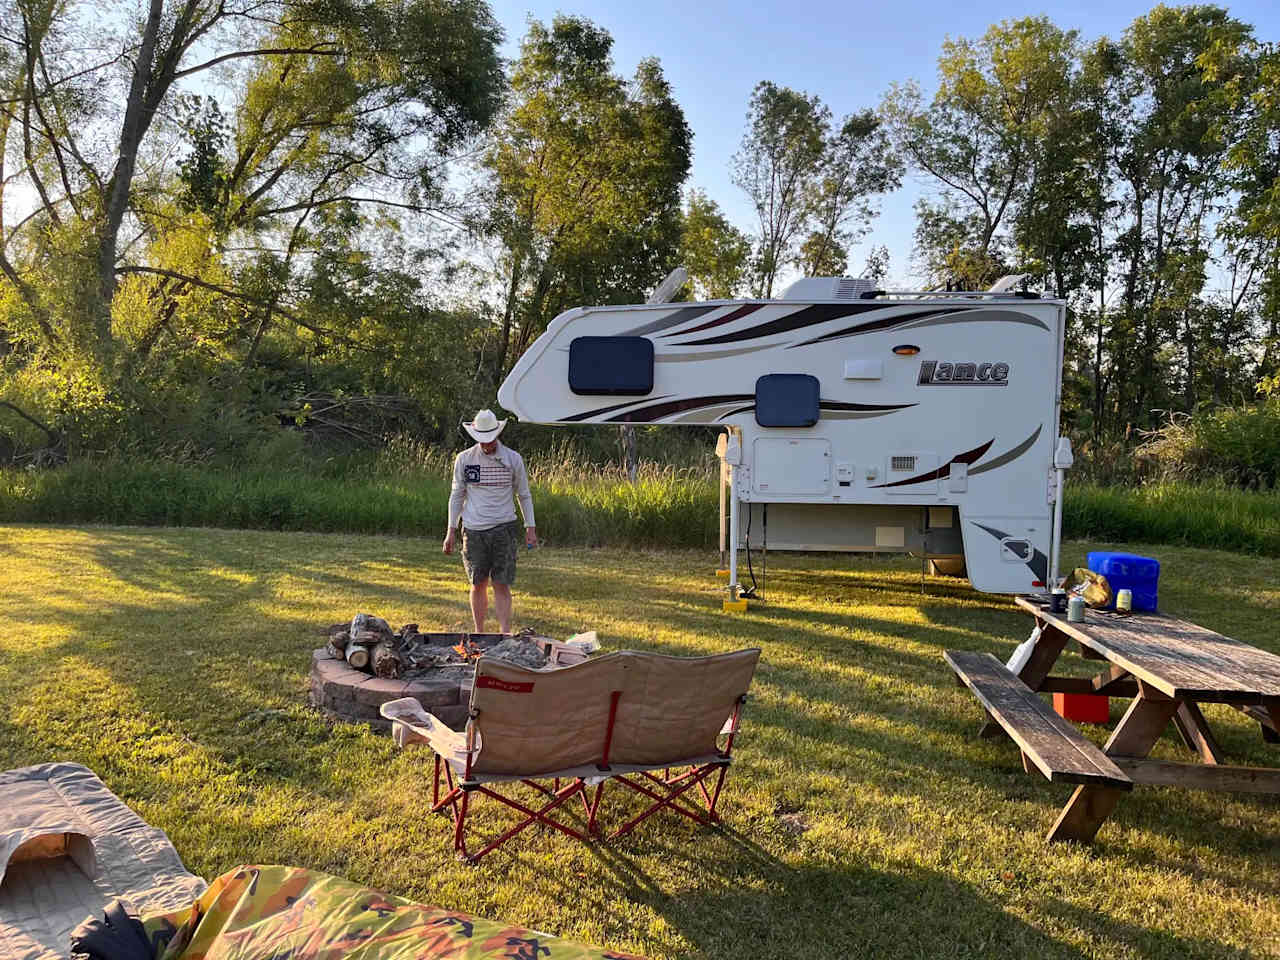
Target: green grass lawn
[[862, 818]]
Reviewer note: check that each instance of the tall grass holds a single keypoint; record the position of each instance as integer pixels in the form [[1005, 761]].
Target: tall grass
[[406, 492], [575, 503], [1178, 513]]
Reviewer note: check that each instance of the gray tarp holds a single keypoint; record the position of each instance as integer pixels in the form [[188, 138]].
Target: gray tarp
[[68, 847]]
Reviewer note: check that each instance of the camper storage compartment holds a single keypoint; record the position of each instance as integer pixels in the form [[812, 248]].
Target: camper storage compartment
[[791, 467], [611, 366]]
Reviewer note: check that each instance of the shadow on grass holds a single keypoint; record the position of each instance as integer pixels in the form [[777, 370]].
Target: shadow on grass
[[205, 642], [824, 911]]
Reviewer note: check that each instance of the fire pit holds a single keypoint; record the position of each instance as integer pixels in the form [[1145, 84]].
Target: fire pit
[[366, 663]]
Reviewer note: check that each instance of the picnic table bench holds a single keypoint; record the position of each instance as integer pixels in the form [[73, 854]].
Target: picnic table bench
[[1167, 666]]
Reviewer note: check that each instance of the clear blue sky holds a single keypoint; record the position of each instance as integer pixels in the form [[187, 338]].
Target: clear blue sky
[[714, 52]]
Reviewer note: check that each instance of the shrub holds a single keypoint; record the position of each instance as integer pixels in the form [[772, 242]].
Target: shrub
[[1236, 445]]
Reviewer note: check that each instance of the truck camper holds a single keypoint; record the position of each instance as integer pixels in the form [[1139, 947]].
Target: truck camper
[[854, 419]]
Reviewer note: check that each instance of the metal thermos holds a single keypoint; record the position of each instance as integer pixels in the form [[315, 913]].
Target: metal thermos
[[1075, 610]]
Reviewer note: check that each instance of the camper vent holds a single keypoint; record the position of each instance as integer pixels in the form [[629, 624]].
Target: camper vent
[[902, 463], [848, 289]]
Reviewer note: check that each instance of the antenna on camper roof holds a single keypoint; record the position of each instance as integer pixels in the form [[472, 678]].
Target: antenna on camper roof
[[670, 286]]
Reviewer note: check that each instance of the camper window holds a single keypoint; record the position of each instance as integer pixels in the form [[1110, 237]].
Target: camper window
[[787, 400], [611, 366]]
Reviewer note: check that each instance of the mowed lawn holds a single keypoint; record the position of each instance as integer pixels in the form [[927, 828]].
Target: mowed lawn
[[862, 817]]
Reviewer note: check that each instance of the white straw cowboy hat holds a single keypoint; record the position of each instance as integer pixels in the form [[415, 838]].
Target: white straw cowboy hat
[[485, 427]]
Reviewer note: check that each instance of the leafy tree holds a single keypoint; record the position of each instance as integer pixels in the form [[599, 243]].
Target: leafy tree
[[981, 135], [822, 255], [713, 250], [134, 271], [1245, 77], [812, 189], [877, 266], [945, 252], [585, 171], [1169, 160], [859, 165]]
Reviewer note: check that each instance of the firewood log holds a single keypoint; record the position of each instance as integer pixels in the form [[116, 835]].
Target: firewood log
[[386, 662], [338, 653], [366, 628], [358, 656]]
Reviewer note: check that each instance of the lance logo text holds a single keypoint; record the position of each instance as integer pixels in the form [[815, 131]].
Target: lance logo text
[[936, 374]]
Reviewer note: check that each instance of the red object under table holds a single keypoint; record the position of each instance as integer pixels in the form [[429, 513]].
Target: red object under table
[[1083, 707]]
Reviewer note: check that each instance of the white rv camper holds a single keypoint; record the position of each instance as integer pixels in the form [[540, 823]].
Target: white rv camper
[[854, 420]]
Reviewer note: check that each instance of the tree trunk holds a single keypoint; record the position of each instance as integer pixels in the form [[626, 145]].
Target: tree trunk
[[132, 129], [630, 450], [1189, 344], [508, 314]]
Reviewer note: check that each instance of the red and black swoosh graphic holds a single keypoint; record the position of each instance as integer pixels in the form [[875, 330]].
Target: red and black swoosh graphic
[[729, 317], [816, 314], [805, 317], [837, 406], [969, 456], [595, 413], [886, 323], [668, 320], [656, 411]]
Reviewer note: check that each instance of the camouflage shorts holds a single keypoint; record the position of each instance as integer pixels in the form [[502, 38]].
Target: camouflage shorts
[[491, 554]]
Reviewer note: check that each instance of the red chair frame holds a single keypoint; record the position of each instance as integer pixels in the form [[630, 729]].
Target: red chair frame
[[664, 791]]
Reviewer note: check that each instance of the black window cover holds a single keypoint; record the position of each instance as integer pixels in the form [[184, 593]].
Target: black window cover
[[611, 366], [787, 400]]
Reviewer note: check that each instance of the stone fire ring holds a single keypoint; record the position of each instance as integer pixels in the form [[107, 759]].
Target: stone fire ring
[[342, 692]]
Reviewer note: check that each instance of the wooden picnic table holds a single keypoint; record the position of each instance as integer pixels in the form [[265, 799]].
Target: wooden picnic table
[[1168, 666]]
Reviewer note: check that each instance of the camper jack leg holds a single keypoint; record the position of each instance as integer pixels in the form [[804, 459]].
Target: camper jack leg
[[723, 570], [733, 604]]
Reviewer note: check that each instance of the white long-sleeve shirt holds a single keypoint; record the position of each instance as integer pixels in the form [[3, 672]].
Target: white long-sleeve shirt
[[483, 486]]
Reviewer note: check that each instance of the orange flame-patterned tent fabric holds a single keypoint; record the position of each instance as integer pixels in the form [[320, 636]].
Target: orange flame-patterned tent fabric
[[257, 912]]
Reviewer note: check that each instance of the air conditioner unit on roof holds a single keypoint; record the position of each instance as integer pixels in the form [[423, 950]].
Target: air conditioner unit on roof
[[828, 288]]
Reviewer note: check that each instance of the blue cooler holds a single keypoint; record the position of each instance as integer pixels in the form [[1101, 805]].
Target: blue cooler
[[1128, 571]]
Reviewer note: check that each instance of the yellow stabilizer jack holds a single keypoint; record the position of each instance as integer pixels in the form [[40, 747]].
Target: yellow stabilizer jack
[[722, 574], [735, 606]]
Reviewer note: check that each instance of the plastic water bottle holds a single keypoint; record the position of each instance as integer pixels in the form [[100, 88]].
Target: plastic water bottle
[[1023, 652]]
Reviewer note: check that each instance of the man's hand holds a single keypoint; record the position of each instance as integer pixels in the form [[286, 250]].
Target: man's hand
[[530, 537], [448, 542]]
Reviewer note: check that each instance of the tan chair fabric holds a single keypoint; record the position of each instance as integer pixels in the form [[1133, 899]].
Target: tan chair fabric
[[411, 724], [670, 710], [68, 847]]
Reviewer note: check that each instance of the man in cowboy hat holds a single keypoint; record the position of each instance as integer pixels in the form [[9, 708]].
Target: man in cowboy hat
[[484, 478]]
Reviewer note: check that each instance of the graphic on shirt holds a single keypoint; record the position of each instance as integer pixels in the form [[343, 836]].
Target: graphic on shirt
[[472, 474], [495, 475]]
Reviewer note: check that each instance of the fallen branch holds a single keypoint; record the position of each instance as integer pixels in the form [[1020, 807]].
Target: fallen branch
[[49, 432]]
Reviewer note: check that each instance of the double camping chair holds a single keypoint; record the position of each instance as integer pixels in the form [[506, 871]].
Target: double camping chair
[[647, 722]]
